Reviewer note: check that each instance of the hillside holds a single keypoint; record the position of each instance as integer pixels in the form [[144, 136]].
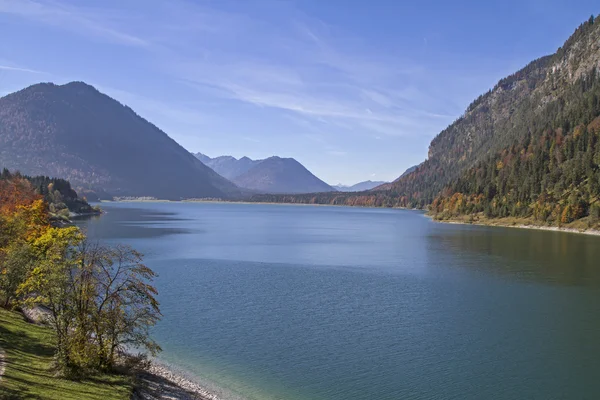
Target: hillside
[[76, 133], [409, 170], [531, 139], [359, 187], [281, 175], [550, 174], [29, 370], [63, 202], [522, 105], [228, 166]]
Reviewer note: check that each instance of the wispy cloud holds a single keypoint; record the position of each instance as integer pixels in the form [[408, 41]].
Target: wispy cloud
[[81, 20], [296, 63], [308, 68], [20, 69]]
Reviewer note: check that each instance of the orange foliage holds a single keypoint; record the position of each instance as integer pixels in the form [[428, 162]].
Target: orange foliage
[[15, 192], [594, 126]]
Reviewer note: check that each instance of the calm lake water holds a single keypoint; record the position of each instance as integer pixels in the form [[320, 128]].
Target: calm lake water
[[296, 302]]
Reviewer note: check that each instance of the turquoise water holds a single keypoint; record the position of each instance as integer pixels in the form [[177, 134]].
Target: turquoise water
[[296, 302]]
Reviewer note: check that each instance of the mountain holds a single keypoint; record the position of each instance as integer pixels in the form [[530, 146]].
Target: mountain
[[281, 175], [548, 172], [271, 175], [409, 170], [75, 132], [228, 166], [359, 187], [528, 147], [519, 111]]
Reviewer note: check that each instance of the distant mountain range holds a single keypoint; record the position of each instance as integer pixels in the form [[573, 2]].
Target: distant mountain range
[[359, 187], [271, 175], [75, 132], [370, 185], [228, 166]]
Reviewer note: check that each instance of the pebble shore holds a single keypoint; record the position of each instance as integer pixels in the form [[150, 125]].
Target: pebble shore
[[159, 382]]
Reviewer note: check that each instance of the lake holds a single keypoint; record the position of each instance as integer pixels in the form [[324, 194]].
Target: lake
[[301, 302]]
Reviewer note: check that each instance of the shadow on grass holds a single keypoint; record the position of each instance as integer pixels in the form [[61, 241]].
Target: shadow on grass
[[29, 374], [20, 340]]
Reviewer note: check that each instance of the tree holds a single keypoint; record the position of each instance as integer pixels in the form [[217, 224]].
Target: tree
[[18, 259], [101, 299], [52, 283], [23, 217], [125, 306], [595, 213]]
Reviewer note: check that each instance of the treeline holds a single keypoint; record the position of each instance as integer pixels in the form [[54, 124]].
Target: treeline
[[552, 174], [99, 300], [62, 200], [360, 199]]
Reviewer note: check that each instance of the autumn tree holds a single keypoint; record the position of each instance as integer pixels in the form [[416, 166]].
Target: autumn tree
[[125, 305], [101, 299], [23, 217]]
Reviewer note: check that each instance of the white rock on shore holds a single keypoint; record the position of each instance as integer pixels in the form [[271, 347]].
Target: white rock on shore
[[161, 383]]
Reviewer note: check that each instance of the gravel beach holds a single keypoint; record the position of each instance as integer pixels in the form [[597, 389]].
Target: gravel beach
[[159, 382]]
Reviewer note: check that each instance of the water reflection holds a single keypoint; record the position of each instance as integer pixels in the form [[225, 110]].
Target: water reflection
[[124, 222], [553, 257]]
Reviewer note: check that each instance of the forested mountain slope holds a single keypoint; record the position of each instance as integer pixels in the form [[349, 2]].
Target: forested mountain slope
[[63, 202], [532, 138], [524, 104], [77, 133]]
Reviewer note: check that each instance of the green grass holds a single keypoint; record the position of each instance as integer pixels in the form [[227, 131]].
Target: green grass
[[28, 375]]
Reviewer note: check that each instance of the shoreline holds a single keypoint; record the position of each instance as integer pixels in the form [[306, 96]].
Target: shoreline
[[162, 381], [158, 381], [258, 203], [499, 224]]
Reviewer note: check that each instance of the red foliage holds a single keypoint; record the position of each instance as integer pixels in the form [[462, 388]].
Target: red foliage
[[15, 192]]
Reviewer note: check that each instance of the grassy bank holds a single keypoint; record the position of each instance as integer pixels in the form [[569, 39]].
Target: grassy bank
[[28, 355], [584, 225]]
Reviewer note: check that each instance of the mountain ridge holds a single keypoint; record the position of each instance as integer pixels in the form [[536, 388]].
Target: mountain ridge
[[228, 166], [360, 186], [75, 132], [523, 106], [270, 175], [281, 175]]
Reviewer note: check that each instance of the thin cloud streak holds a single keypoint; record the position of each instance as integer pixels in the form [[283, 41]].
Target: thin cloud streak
[[317, 73], [303, 66], [19, 69], [69, 18]]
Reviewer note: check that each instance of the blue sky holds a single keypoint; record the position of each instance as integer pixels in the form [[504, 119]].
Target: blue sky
[[354, 90]]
